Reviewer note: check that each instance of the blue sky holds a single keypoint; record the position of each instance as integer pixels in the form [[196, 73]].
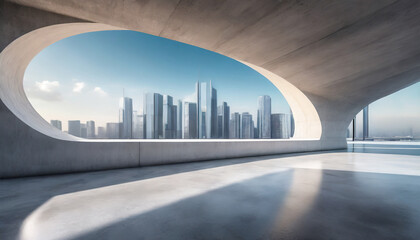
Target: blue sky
[[83, 76], [395, 115]]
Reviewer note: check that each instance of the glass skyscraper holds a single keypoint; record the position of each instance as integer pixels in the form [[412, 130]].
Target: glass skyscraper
[[137, 125], [169, 117], [235, 126], [126, 117], [279, 125], [153, 114], [90, 129], [190, 120], [74, 128], [113, 130], [179, 120], [264, 116], [247, 126], [101, 133], [206, 110], [366, 122], [223, 113]]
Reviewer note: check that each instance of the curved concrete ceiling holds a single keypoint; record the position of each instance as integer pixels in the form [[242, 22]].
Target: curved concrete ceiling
[[338, 50], [337, 56]]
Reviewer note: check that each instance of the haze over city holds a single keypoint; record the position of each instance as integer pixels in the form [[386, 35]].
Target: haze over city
[[83, 77]]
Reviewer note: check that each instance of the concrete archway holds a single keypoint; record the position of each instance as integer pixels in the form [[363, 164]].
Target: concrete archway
[[52, 145]]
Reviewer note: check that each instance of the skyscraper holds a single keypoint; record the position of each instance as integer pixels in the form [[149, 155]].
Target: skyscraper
[[264, 116], [126, 117], [57, 124], [223, 113], [74, 128], [83, 130], [101, 133], [168, 117], [190, 120], [366, 122], [137, 125], [279, 125], [247, 126], [174, 121], [179, 120], [90, 129], [292, 124], [206, 110], [113, 130], [235, 126], [153, 114]]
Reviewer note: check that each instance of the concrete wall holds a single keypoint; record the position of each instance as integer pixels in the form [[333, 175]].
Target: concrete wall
[[320, 60]]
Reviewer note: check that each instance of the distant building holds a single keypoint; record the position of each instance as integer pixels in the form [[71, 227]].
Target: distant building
[[206, 110], [57, 124], [74, 128], [174, 119], [179, 122], [169, 117], [90, 129], [292, 124], [153, 114], [223, 113], [113, 130], [235, 126], [138, 129], [190, 120], [83, 130], [264, 116], [247, 126], [101, 133], [279, 125], [126, 117], [366, 122]]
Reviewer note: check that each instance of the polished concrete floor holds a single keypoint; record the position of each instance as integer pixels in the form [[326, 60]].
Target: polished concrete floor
[[369, 191]]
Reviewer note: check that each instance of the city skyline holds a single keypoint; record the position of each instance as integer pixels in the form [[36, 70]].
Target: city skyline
[[88, 82], [160, 117], [60, 87]]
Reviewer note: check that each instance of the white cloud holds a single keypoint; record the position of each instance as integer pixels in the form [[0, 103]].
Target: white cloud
[[47, 86], [45, 90], [190, 98], [100, 92], [78, 86]]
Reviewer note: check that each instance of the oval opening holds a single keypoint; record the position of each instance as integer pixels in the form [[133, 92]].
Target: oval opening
[[131, 85], [395, 117]]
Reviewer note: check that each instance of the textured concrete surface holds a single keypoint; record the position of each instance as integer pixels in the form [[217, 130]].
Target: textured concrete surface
[[330, 59], [369, 192]]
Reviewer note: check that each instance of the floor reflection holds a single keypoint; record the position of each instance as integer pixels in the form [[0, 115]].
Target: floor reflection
[[323, 195]]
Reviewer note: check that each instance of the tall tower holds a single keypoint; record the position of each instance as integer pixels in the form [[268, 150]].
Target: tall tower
[[223, 113], [366, 122], [153, 115], [168, 117], [126, 117], [74, 128], [292, 124], [190, 121], [264, 116], [235, 126], [179, 120], [90, 129], [247, 126], [206, 110]]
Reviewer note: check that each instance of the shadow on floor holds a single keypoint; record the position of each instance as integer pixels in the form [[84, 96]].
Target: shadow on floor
[[344, 205], [19, 197]]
